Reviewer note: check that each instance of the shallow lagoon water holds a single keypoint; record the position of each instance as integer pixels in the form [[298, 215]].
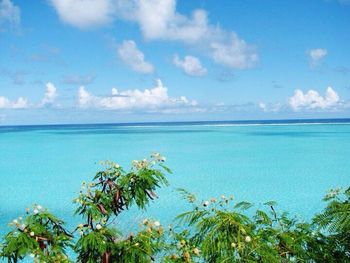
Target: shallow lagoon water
[[294, 164]]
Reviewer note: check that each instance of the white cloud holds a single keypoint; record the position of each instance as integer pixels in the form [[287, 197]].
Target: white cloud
[[234, 53], [9, 14], [84, 13], [149, 100], [20, 103], [262, 106], [132, 56], [159, 20], [190, 65], [49, 96], [23, 103], [316, 56], [313, 100]]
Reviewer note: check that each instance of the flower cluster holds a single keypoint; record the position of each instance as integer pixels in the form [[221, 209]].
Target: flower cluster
[[185, 250], [158, 158], [20, 224], [222, 201], [143, 164], [152, 226], [333, 193]]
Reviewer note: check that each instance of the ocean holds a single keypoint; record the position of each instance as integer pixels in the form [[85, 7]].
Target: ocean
[[292, 162]]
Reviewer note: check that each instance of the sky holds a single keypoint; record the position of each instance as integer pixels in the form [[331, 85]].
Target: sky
[[103, 61]]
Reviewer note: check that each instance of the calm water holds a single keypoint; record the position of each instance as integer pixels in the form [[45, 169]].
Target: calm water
[[294, 164]]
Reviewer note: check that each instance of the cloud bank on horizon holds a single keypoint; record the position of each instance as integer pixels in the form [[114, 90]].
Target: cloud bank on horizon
[[189, 47], [149, 100], [23, 103]]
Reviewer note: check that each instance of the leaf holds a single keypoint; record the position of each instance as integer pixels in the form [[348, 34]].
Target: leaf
[[243, 205], [271, 203]]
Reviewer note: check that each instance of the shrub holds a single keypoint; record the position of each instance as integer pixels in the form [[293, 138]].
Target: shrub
[[215, 230], [39, 235]]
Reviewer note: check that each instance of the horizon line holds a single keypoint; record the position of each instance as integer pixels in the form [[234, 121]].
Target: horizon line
[[247, 121]]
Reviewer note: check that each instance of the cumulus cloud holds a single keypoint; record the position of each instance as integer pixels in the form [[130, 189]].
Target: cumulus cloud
[[150, 100], [84, 13], [159, 20], [132, 56], [313, 100], [20, 103], [190, 65], [48, 100], [49, 96], [10, 15], [234, 53], [316, 56]]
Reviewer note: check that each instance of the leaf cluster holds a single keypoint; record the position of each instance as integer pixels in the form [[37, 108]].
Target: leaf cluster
[[219, 230]]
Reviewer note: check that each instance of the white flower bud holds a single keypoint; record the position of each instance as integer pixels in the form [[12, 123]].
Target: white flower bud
[[196, 251], [248, 239]]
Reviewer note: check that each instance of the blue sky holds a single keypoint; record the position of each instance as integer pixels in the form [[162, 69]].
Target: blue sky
[[89, 61]]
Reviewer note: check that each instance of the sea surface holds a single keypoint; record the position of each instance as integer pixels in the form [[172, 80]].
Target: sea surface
[[292, 162]]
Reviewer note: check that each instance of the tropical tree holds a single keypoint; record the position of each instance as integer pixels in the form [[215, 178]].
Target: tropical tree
[[100, 202], [218, 230]]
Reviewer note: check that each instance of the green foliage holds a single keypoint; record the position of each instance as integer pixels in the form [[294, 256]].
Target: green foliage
[[223, 232], [336, 216], [142, 247], [113, 191], [215, 231], [334, 223], [179, 248], [39, 235]]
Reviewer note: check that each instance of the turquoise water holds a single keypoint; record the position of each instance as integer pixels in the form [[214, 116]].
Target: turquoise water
[[293, 164]]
